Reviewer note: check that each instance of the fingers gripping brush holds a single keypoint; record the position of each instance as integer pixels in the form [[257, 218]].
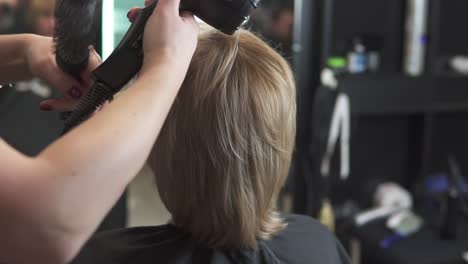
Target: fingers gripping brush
[[75, 30], [127, 59]]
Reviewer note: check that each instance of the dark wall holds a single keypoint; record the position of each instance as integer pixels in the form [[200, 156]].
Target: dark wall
[[380, 149], [23, 125], [453, 22], [450, 138], [306, 55]]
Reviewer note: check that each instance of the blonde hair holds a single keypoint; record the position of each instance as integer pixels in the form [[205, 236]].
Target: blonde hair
[[224, 152]]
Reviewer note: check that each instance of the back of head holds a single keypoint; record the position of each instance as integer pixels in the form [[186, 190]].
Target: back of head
[[225, 150]]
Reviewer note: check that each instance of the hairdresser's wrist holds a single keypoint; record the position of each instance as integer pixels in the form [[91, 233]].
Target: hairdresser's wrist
[[166, 61], [23, 42], [164, 74]]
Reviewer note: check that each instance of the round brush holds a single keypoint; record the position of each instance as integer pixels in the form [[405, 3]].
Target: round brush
[[75, 30], [76, 24]]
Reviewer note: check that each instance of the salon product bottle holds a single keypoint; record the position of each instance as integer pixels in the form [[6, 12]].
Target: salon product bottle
[[357, 58], [327, 216], [338, 64], [416, 37]]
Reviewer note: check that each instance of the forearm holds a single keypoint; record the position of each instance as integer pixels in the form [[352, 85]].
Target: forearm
[[14, 72], [13, 65], [80, 177], [106, 152]]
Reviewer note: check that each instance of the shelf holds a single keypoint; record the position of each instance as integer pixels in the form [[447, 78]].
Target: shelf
[[400, 95]]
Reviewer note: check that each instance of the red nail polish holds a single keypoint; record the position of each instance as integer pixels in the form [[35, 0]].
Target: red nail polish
[[45, 107], [75, 93]]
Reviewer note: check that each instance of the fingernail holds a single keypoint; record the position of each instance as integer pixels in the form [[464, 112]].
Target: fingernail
[[45, 107], [75, 93]]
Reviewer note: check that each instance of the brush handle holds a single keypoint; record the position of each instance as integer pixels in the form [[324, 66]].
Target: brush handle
[[127, 58]]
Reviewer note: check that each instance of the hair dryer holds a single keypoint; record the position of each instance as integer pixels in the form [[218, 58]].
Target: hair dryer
[[127, 58]]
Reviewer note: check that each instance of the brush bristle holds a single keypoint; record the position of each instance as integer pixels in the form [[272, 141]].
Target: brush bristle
[[77, 23]]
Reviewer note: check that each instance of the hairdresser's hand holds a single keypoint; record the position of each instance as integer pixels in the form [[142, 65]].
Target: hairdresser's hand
[[40, 57], [170, 36]]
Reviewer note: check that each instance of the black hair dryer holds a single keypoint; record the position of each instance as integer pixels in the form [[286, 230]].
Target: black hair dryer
[[126, 60]]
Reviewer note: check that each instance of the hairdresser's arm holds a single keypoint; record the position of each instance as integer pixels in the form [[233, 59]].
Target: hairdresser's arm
[[52, 203], [13, 65], [12, 47]]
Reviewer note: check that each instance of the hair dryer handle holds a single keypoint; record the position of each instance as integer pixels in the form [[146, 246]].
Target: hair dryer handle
[[127, 58]]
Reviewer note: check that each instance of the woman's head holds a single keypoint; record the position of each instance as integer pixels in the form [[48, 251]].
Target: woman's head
[[225, 150]]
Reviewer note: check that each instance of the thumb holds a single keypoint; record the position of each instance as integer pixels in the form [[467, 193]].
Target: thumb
[[62, 81], [59, 104], [133, 13]]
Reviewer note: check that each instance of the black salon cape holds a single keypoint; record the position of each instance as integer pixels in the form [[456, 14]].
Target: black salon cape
[[303, 241]]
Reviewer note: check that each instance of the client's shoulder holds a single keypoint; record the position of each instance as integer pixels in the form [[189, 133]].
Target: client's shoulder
[[302, 228], [304, 238], [306, 224], [141, 244]]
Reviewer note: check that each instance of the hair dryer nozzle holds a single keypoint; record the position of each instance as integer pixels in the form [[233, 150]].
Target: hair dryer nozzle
[[224, 15]]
